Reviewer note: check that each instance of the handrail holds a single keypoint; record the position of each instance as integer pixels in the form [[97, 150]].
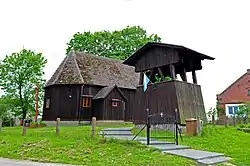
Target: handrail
[[139, 132]]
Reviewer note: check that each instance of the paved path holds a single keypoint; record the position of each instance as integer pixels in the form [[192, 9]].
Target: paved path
[[9, 162], [202, 157]]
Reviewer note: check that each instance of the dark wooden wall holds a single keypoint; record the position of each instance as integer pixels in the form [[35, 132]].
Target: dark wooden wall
[[128, 93], [156, 57], [190, 101], [130, 104], [110, 112], [165, 97], [162, 98], [70, 109], [85, 112], [61, 105]]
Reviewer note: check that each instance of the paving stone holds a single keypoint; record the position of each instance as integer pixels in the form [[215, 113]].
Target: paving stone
[[214, 160], [154, 142], [193, 154], [118, 129], [115, 132], [166, 147], [126, 137]]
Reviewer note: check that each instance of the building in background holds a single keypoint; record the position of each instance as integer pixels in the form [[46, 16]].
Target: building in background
[[235, 95]]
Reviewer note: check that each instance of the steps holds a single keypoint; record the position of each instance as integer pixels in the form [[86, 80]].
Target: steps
[[213, 160], [202, 157]]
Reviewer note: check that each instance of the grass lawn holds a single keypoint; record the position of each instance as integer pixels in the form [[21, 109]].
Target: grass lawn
[[231, 142], [75, 146]]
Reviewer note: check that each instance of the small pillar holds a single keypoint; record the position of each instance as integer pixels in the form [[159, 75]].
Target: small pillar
[[1, 123], [57, 126], [93, 127], [172, 71], [194, 77]]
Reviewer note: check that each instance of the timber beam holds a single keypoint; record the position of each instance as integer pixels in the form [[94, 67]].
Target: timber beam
[[172, 71], [161, 73]]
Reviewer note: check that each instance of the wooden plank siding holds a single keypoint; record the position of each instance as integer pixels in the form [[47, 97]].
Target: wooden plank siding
[[156, 57], [70, 109], [110, 112], [160, 99], [167, 96], [190, 101], [61, 105]]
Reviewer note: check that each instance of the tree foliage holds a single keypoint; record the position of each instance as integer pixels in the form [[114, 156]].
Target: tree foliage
[[116, 44], [20, 72]]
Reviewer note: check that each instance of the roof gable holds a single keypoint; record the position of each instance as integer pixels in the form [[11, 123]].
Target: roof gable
[[84, 68], [235, 82], [185, 51], [104, 92], [66, 73]]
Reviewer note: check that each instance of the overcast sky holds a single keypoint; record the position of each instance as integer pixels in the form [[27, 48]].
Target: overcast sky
[[220, 29]]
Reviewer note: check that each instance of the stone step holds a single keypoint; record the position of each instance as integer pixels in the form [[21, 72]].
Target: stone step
[[118, 129], [213, 160], [155, 142], [193, 154], [168, 146], [127, 137], [115, 132]]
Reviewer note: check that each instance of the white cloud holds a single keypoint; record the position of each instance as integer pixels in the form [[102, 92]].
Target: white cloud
[[217, 28]]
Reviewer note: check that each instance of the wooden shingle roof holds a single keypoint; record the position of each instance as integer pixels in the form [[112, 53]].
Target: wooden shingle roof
[[84, 68], [104, 92]]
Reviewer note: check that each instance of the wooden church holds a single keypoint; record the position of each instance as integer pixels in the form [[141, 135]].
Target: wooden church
[[86, 85]]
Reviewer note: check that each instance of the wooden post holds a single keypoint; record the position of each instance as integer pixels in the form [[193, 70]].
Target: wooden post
[[1, 124], [172, 71], [161, 73], [37, 87], [194, 77], [225, 120], [235, 123], [198, 125], [57, 126], [184, 75], [141, 79], [93, 127], [24, 128]]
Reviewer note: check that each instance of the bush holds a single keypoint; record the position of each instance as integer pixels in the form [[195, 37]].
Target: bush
[[37, 124], [244, 126], [8, 122]]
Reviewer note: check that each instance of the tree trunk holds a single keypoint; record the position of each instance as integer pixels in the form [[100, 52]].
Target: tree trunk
[[24, 111]]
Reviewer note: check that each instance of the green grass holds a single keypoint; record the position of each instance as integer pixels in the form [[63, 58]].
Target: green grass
[[231, 142], [75, 146]]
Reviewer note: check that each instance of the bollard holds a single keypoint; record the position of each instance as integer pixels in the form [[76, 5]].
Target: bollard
[[57, 126], [93, 127], [24, 128], [198, 130]]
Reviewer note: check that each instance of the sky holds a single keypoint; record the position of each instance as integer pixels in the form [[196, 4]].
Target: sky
[[220, 29]]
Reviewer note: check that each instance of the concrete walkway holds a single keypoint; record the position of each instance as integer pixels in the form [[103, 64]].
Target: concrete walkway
[[202, 157], [10, 162]]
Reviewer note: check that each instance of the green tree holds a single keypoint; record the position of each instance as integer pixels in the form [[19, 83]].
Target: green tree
[[19, 73], [3, 109], [244, 111], [115, 44]]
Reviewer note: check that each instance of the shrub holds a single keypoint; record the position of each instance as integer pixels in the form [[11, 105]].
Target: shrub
[[37, 124]]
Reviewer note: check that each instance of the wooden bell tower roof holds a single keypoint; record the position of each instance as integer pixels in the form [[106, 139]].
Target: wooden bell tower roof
[[153, 55]]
